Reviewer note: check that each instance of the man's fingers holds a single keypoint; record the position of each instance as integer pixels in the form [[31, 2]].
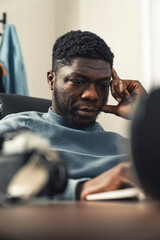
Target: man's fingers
[[115, 178], [117, 89], [127, 174], [126, 93], [114, 74]]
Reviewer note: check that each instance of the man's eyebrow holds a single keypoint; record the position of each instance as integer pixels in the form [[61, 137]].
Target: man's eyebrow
[[79, 75], [104, 79], [107, 78]]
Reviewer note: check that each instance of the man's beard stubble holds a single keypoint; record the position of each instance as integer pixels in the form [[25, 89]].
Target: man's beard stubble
[[66, 113]]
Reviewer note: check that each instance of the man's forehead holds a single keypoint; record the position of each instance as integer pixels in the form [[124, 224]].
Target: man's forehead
[[87, 65], [95, 64]]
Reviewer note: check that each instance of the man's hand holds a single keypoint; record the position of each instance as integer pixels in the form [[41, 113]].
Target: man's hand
[[113, 179], [127, 93]]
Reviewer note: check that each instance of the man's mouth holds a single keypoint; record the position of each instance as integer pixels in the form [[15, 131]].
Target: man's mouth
[[87, 112]]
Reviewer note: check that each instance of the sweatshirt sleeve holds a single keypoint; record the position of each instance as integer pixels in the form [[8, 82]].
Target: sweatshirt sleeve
[[70, 191], [12, 122]]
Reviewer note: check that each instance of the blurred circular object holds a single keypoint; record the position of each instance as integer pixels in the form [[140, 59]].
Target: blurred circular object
[[145, 142]]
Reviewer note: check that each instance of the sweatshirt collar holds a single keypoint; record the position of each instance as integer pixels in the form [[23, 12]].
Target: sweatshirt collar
[[58, 119]]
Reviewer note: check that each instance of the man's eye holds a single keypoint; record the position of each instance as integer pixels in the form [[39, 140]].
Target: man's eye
[[77, 82]]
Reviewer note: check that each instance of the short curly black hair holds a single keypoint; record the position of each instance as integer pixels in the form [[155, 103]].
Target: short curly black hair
[[79, 44]]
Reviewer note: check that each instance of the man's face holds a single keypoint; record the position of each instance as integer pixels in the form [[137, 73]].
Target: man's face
[[80, 90]]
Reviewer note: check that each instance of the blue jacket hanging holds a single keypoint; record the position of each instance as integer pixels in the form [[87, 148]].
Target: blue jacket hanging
[[11, 57]]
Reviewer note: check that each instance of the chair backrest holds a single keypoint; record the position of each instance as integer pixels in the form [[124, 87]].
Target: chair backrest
[[13, 103]]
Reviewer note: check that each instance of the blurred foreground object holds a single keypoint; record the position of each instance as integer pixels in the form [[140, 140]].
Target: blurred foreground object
[[145, 142], [28, 168]]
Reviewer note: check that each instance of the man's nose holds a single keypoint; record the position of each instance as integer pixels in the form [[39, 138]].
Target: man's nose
[[90, 93]]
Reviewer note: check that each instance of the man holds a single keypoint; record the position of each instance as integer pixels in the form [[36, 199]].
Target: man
[[82, 67]]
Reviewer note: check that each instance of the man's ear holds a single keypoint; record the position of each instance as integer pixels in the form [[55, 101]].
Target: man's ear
[[51, 79]]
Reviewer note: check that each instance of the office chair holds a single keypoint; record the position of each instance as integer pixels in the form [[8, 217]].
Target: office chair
[[13, 103], [10, 164]]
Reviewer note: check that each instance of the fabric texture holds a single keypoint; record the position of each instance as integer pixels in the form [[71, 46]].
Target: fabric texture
[[11, 57], [87, 153], [2, 73]]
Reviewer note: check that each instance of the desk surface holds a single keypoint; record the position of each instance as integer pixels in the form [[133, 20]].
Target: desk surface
[[82, 220]]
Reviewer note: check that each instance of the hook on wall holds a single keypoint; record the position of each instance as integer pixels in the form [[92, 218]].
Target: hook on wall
[[3, 21]]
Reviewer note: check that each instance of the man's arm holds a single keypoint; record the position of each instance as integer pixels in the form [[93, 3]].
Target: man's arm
[[127, 93], [117, 177]]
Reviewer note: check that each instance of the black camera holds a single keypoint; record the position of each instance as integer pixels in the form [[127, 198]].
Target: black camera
[[28, 167]]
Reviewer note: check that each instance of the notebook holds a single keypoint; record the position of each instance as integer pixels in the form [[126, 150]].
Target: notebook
[[127, 193]]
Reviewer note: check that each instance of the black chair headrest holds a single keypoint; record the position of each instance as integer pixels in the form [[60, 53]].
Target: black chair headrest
[[12, 103]]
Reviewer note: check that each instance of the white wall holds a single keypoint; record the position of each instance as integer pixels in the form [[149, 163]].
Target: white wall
[[155, 41], [40, 22], [34, 22]]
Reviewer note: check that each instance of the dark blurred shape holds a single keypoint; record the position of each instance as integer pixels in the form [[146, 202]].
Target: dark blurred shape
[[28, 168], [145, 142]]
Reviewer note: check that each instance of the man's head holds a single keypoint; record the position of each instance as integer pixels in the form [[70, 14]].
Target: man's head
[[75, 44], [81, 72]]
